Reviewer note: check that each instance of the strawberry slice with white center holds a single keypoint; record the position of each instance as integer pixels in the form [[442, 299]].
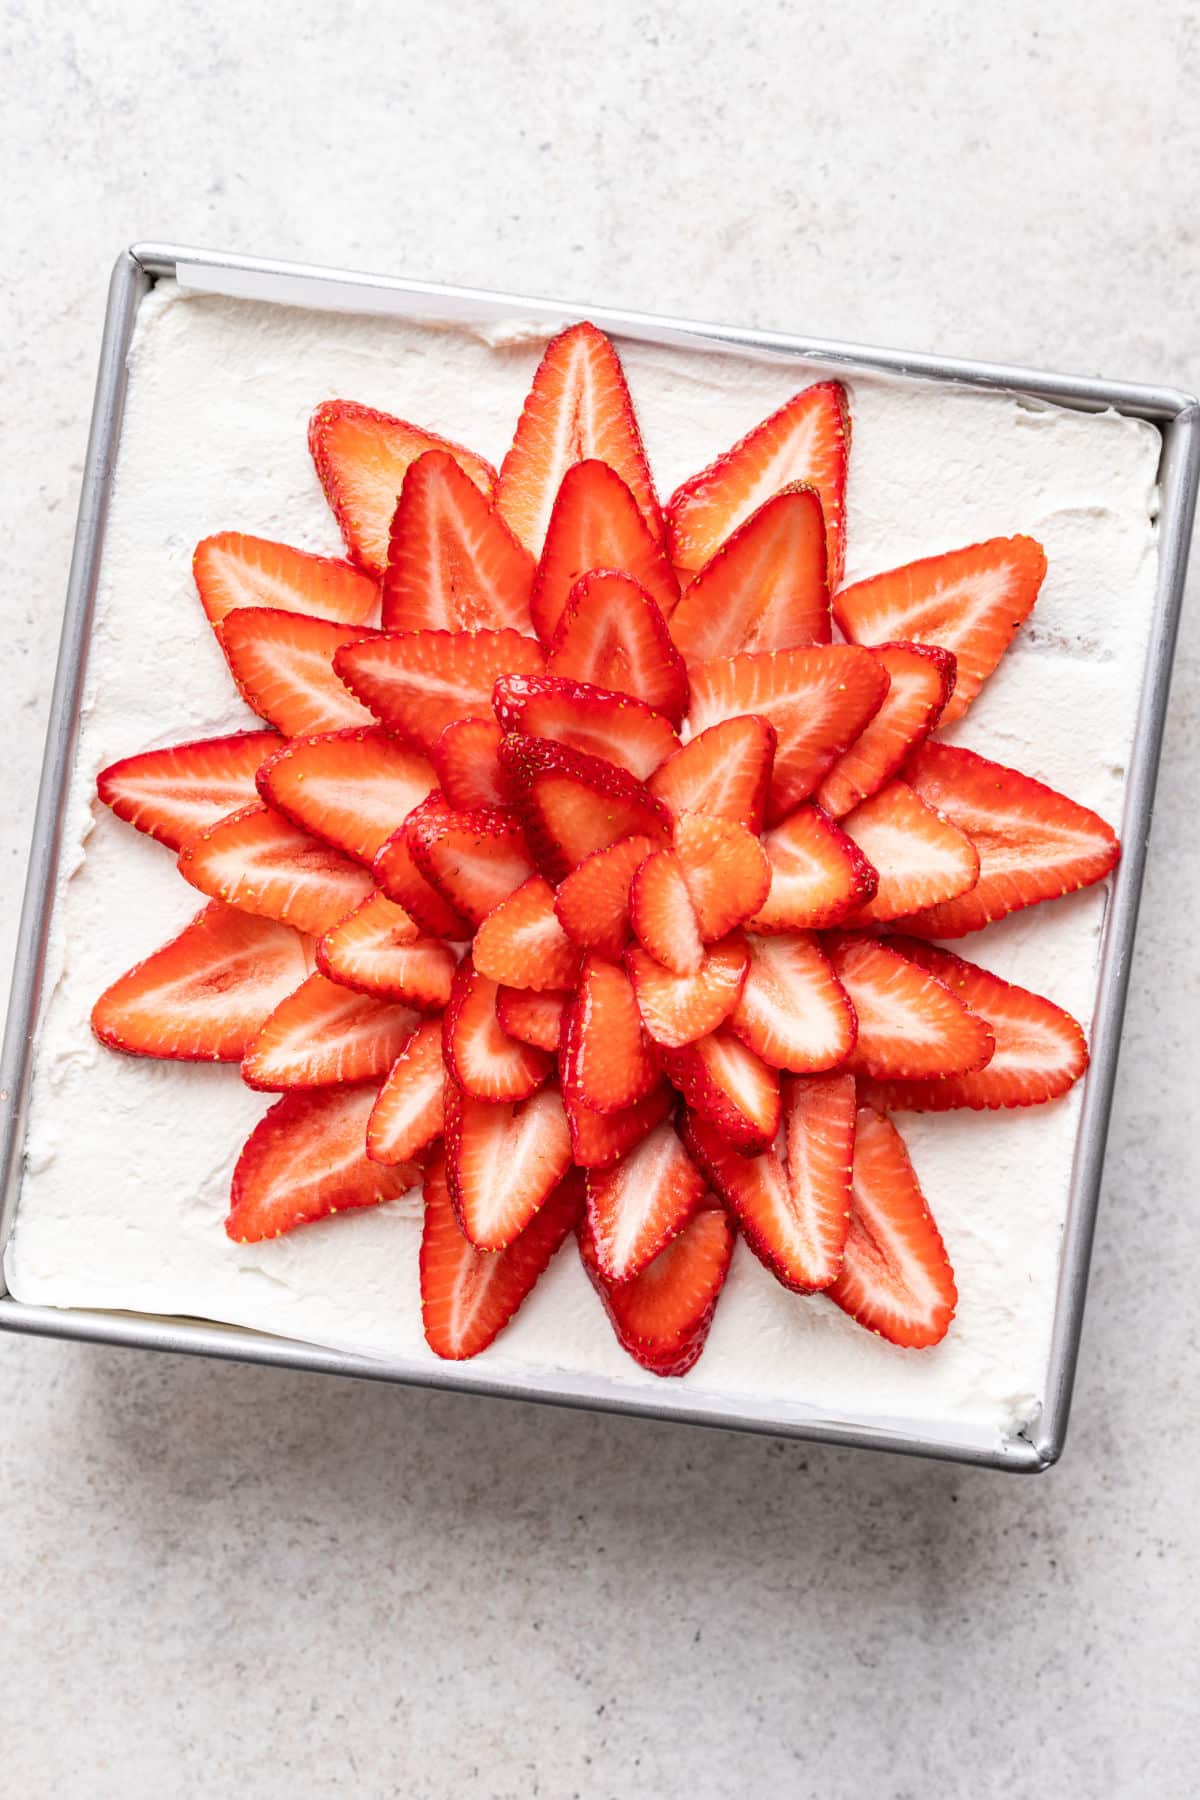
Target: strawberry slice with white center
[[233, 570], [352, 788], [203, 996], [283, 665], [1040, 1049], [726, 871], [467, 759], [919, 856], [409, 1112], [724, 771], [573, 804], [596, 525], [806, 440], [637, 1205], [819, 876], [593, 902], [403, 882], [910, 1025], [172, 794], [453, 564], [596, 720], [793, 1202], [663, 917], [1033, 843], [921, 682], [362, 457], [475, 860], [259, 861], [612, 632], [608, 1062], [522, 943], [600, 1139], [895, 1277], [817, 699], [378, 950], [532, 1016], [792, 1010], [305, 1161], [662, 1316], [678, 1009], [468, 1296], [418, 682], [725, 1082], [764, 589], [503, 1161], [485, 1062], [971, 602], [325, 1034], [578, 409]]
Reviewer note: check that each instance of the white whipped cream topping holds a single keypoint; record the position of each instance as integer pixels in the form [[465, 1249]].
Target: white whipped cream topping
[[128, 1161]]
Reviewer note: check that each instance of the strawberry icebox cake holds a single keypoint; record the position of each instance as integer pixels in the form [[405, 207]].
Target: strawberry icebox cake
[[608, 851]]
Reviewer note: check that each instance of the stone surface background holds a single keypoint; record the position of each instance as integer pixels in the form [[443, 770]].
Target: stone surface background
[[218, 1579]]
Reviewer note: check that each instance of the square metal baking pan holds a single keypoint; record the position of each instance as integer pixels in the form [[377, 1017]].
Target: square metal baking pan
[[1177, 416]]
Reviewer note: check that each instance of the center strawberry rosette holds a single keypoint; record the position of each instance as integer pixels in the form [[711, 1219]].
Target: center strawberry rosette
[[593, 888]]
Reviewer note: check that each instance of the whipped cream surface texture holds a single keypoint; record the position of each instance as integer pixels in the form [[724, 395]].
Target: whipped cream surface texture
[[128, 1161]]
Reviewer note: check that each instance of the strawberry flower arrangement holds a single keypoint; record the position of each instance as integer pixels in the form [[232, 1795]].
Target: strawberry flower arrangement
[[590, 865]]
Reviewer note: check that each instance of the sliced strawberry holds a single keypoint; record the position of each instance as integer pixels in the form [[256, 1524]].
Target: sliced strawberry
[[793, 1011], [522, 943], [503, 1161], [637, 1205], [403, 882], [919, 856], [172, 794], [724, 771], [485, 1062], [203, 996], [597, 720], [819, 876], [726, 871], [232, 570], [377, 949], [921, 682], [593, 902], [663, 917], [474, 859], [305, 1160], [324, 1034], [600, 1139], [678, 1009], [408, 1113], [764, 588], [596, 525], [818, 700], [352, 788], [1040, 1050], [531, 1016], [578, 409], [792, 1203], [909, 1024], [362, 457], [971, 602], [259, 861], [573, 805], [466, 758], [608, 1062], [1033, 844], [806, 440], [418, 682], [283, 665], [468, 1296], [726, 1083], [453, 564], [895, 1277], [612, 632], [662, 1316]]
